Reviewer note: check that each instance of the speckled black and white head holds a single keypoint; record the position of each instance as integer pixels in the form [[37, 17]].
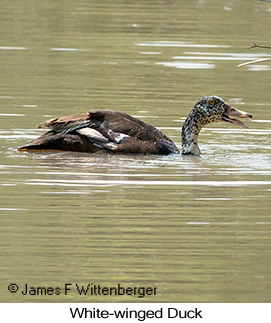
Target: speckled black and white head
[[207, 110]]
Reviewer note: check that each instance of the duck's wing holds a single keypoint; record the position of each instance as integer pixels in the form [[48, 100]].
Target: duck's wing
[[115, 131], [128, 133]]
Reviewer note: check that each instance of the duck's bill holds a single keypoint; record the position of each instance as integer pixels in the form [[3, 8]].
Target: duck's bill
[[233, 112]]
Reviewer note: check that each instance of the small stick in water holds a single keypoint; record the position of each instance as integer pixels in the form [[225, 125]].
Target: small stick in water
[[253, 45], [253, 62]]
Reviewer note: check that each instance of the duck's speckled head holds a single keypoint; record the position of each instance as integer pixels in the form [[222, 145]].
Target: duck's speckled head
[[207, 110], [212, 109]]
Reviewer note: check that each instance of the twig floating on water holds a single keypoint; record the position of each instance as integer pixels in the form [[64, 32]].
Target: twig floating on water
[[253, 62], [253, 45]]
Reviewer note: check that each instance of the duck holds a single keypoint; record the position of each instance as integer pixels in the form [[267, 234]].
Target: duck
[[114, 132]]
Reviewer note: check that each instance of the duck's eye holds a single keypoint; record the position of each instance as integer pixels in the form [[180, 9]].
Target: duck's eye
[[212, 102]]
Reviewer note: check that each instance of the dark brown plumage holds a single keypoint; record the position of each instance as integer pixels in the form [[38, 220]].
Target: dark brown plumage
[[102, 131], [106, 131]]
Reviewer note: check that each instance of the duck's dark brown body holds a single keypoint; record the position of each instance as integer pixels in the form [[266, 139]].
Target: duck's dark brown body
[[102, 131]]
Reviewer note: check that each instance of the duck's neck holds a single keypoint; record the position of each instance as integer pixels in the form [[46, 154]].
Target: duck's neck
[[190, 131]]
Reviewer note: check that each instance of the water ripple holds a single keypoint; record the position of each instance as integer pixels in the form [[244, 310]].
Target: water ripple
[[86, 183]]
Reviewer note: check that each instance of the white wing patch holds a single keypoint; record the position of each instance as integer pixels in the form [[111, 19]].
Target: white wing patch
[[93, 134]]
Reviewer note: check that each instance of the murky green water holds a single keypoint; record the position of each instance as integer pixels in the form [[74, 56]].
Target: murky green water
[[197, 228]]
